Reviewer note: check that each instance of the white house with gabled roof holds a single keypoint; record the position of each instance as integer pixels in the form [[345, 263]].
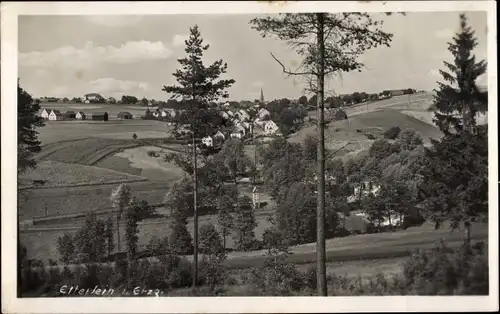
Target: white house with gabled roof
[[270, 127], [45, 113]]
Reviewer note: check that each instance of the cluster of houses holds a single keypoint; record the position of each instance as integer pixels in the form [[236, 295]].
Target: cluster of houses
[[244, 125], [241, 119], [55, 115]]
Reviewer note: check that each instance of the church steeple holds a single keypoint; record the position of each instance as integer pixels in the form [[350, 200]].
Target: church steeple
[[261, 96]]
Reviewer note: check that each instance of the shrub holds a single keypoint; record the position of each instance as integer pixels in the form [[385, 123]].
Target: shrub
[[392, 133], [442, 271], [66, 248], [213, 273], [157, 246], [210, 240], [181, 241], [181, 275]]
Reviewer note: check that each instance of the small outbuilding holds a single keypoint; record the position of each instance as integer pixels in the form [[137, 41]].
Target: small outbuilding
[[100, 116]]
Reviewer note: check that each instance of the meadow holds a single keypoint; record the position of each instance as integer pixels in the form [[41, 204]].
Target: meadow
[[56, 131]]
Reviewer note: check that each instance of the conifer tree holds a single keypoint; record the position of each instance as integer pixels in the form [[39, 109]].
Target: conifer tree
[[27, 122], [329, 45], [198, 85], [458, 100]]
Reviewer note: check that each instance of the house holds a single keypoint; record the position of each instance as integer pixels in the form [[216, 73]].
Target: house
[[207, 141], [124, 115], [363, 190], [70, 114], [263, 114], [236, 135], [244, 116], [55, 115], [100, 116], [219, 135], [45, 113], [255, 197], [80, 115], [224, 115], [93, 98], [270, 127], [239, 128], [226, 105]]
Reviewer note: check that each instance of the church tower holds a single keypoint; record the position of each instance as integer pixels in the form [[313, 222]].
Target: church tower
[[261, 96]]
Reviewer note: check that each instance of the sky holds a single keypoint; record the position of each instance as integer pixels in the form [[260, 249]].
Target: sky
[[68, 56]]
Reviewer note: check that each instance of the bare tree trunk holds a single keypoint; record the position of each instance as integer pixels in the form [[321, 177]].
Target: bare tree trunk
[[118, 233], [320, 238], [467, 227], [224, 241], [195, 215]]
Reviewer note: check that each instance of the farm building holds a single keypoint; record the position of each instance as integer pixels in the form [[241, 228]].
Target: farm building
[[124, 115], [55, 115], [70, 114], [93, 98], [45, 113], [80, 115], [100, 116]]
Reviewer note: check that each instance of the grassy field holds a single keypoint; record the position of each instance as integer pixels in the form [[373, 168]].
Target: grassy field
[[56, 131], [339, 133], [59, 174], [85, 151]]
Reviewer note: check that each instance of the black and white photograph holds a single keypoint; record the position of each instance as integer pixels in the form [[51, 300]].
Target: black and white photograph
[[289, 149]]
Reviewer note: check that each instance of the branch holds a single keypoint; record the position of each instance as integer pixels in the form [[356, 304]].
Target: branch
[[289, 72]]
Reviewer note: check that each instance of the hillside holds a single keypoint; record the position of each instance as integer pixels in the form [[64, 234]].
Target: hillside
[[353, 130]]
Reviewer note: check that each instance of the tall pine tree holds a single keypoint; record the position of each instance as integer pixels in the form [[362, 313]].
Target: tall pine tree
[[454, 180], [458, 100], [329, 44], [198, 85]]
